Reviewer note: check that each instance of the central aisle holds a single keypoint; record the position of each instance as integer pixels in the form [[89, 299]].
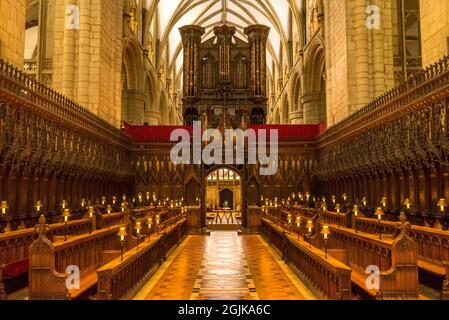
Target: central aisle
[[224, 266]]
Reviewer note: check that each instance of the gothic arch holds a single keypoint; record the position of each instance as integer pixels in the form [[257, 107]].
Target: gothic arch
[[133, 83], [314, 84]]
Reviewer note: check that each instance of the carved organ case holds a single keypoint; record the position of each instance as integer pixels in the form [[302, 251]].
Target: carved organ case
[[225, 77]]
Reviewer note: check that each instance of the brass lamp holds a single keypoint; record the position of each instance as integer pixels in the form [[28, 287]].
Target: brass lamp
[[150, 224], [325, 231], [138, 228], [309, 227], [289, 218], [38, 206], [338, 207], [364, 201], [4, 207], [158, 220], [83, 203], [307, 196], [122, 234], [91, 216], [114, 200], [103, 201], [123, 206], [109, 209], [379, 214], [66, 215], [442, 205], [355, 210], [91, 212], [298, 225], [383, 202], [324, 207], [407, 204], [334, 199], [63, 204], [344, 197]]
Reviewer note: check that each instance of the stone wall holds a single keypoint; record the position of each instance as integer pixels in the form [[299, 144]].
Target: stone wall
[[434, 30], [12, 31]]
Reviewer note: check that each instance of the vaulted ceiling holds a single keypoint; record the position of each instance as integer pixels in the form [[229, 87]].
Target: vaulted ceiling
[[167, 16]]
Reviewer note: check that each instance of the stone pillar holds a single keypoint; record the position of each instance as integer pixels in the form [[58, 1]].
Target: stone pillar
[[12, 31], [312, 107], [258, 37], [191, 40]]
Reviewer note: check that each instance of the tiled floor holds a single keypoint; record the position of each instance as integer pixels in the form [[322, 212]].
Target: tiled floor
[[224, 266]]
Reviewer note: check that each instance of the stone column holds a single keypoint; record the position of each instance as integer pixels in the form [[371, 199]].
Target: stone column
[[312, 105]]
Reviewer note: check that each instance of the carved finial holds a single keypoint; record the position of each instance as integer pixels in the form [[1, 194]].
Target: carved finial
[[403, 225], [42, 227]]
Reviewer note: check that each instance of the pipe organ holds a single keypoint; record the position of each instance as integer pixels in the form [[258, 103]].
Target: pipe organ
[[225, 76]]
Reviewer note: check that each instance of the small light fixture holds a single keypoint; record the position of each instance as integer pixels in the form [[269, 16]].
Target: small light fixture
[[158, 220], [364, 201], [123, 206], [324, 207], [38, 206], [66, 216], [407, 204], [344, 197], [309, 227], [91, 212], [138, 228], [63, 204], [442, 205], [83, 203], [114, 200], [150, 224], [356, 214], [307, 196], [383, 202], [338, 207], [289, 218], [109, 209], [326, 232], [334, 200], [298, 224], [4, 207], [122, 235], [103, 201], [379, 213]]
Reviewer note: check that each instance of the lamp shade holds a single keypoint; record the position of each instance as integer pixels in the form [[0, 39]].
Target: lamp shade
[[407, 203], [442, 204], [122, 233], [356, 210], [109, 208], [338, 208], [325, 231], [63, 204], [38, 206], [379, 213], [66, 215], [309, 225]]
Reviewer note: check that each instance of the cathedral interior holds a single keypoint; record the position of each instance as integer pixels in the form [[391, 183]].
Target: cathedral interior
[[313, 145]]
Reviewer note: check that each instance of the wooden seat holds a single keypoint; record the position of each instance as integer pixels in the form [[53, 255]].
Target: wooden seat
[[359, 279], [88, 280]]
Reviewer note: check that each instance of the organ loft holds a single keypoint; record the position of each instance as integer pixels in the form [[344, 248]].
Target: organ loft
[[347, 101], [225, 78]]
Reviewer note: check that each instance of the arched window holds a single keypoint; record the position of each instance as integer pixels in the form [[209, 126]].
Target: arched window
[[209, 72], [240, 72]]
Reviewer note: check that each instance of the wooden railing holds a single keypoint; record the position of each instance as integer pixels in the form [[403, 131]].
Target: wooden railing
[[396, 259], [117, 279], [329, 277]]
